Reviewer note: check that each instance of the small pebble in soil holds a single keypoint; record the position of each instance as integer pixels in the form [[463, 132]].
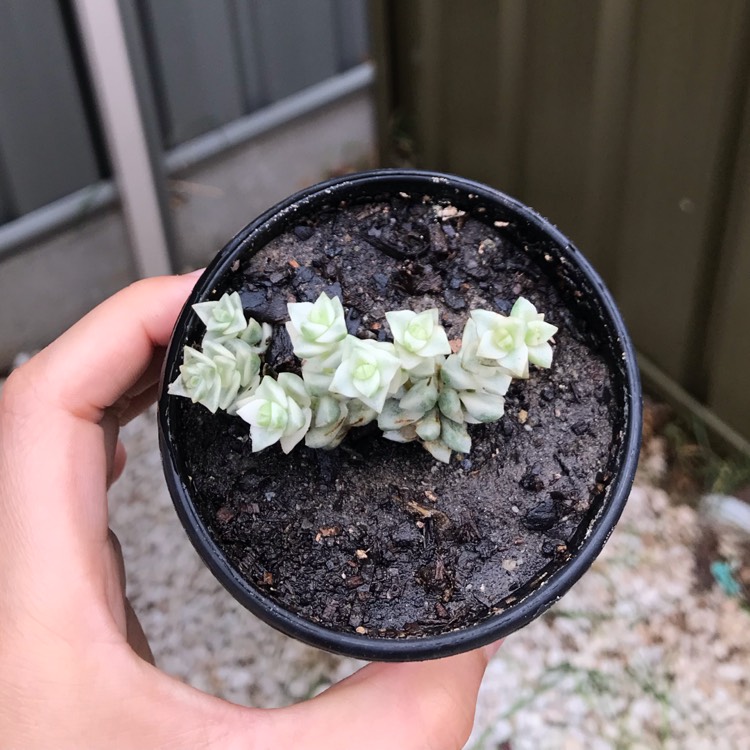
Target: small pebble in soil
[[580, 428], [532, 482], [454, 300], [303, 232], [542, 516]]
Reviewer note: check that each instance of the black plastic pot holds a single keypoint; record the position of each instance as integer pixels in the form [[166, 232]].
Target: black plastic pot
[[584, 293]]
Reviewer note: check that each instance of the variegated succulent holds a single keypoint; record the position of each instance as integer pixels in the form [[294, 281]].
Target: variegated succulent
[[415, 387]]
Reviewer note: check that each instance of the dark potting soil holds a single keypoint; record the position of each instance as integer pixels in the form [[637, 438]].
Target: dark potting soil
[[378, 537]]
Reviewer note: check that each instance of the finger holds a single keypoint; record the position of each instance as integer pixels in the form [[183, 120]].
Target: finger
[[121, 458], [110, 425], [138, 404], [411, 706], [136, 636], [106, 353], [50, 417], [130, 626], [151, 375]]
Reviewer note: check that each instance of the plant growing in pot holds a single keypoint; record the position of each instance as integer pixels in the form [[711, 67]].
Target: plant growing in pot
[[338, 336]]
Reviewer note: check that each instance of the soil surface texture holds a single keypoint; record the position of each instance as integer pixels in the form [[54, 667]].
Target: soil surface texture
[[378, 537]]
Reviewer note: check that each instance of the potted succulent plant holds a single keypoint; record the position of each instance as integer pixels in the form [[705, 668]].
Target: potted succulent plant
[[400, 415]]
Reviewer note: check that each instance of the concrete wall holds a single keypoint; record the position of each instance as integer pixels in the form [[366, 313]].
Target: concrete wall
[[46, 287]]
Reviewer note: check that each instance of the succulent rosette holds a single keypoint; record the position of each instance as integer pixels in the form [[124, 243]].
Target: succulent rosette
[[369, 371], [277, 411], [224, 318], [418, 339], [514, 341], [538, 332], [316, 328], [210, 377]]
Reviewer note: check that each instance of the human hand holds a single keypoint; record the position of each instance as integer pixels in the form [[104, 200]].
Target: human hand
[[75, 668]]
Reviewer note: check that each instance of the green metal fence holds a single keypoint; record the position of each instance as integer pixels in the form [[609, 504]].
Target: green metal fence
[[627, 123]]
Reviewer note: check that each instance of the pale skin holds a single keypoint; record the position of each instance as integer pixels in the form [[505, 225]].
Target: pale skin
[[76, 672]]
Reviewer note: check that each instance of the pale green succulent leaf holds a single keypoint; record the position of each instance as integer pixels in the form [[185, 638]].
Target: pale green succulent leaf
[[317, 382], [421, 397], [294, 386], [428, 428], [517, 362], [359, 414], [504, 337], [541, 355], [483, 407], [417, 336], [326, 437], [484, 320], [177, 388], [296, 417], [263, 438], [455, 376], [366, 379], [449, 404], [247, 362], [315, 328], [524, 310], [303, 348], [455, 435], [398, 320], [538, 332], [289, 440], [393, 417], [496, 382], [242, 398], [439, 450], [209, 378], [404, 435], [274, 413], [253, 333], [426, 367], [328, 411]]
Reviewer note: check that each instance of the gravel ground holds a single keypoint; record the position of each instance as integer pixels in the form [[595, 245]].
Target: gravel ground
[[637, 655]]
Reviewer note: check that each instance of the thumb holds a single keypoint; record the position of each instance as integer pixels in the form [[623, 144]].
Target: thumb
[[408, 706]]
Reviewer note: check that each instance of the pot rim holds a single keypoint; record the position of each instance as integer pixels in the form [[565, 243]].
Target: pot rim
[[495, 626]]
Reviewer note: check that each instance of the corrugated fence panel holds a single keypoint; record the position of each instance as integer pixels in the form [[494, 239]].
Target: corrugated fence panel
[[683, 91], [246, 29], [617, 119], [352, 32], [443, 88], [728, 341], [556, 110], [213, 62], [297, 43], [46, 149], [6, 207], [196, 75]]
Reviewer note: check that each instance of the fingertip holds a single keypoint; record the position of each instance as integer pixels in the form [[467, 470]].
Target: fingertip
[[194, 274]]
